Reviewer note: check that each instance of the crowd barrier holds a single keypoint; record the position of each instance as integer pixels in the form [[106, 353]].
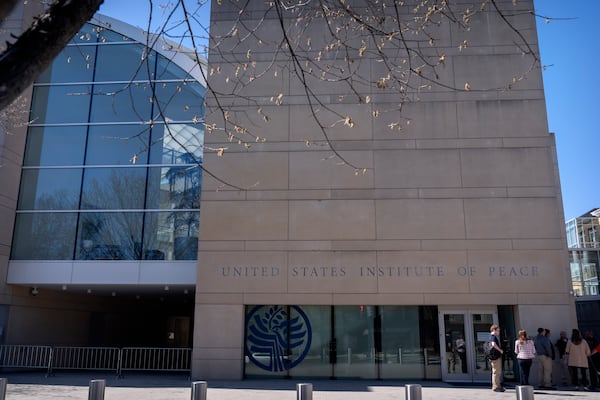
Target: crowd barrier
[[52, 358]]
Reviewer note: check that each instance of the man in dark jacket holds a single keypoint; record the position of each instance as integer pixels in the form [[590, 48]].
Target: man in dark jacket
[[561, 346], [543, 350], [592, 343]]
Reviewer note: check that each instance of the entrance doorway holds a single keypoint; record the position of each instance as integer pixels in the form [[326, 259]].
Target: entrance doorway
[[462, 336]]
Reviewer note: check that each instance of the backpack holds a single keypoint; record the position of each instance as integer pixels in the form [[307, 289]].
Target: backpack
[[489, 351]]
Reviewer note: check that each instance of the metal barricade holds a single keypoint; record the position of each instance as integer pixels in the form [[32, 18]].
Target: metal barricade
[[86, 358], [26, 356], [155, 359]]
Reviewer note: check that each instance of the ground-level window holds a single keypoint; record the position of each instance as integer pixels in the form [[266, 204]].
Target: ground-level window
[[357, 341]]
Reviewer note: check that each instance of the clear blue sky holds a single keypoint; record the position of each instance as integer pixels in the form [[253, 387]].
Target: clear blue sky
[[570, 43]]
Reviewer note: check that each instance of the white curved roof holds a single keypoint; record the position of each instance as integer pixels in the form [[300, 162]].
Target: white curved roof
[[183, 57]]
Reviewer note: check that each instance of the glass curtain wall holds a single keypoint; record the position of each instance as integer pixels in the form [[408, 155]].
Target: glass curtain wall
[[112, 166], [369, 342], [584, 272]]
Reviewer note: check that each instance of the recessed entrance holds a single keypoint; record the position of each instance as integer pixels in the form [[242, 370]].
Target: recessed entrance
[[462, 335]]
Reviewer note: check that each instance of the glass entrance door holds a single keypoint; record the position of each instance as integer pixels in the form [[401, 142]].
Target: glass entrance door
[[462, 335]]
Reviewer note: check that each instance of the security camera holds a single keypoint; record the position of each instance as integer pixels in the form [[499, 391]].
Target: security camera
[[34, 291]]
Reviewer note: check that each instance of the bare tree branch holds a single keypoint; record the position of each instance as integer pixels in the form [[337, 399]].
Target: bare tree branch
[[35, 49]]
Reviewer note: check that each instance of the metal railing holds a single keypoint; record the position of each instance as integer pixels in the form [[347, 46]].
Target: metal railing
[[85, 358], [114, 359], [24, 356], [155, 359]]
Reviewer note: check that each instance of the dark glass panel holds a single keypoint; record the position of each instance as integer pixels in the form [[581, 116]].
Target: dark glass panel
[[60, 104], [44, 236], [171, 235], [403, 357], [118, 145], [109, 236], [180, 101], [114, 188], [123, 62], [73, 64], [55, 145], [50, 189], [175, 187], [177, 144], [355, 341], [121, 103], [316, 361]]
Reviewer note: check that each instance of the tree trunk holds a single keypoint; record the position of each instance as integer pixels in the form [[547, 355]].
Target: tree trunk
[[37, 47]]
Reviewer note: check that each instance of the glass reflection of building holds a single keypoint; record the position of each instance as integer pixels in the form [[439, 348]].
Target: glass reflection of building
[[583, 239], [112, 166]]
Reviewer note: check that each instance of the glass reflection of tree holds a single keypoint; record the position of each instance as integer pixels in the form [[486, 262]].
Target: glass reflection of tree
[[112, 235], [184, 189], [50, 235]]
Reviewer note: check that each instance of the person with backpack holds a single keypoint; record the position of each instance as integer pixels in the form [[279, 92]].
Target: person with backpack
[[495, 356]]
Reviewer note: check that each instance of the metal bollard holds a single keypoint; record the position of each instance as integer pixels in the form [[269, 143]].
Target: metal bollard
[[304, 391], [97, 389], [524, 392], [3, 383], [413, 392], [199, 390]]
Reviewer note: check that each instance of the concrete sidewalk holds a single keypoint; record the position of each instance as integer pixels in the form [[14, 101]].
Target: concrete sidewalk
[[71, 386]]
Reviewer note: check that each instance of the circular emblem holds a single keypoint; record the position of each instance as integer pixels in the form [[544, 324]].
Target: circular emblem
[[277, 340]]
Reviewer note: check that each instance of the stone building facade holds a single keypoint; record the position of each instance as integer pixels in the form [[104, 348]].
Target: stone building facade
[[356, 249]]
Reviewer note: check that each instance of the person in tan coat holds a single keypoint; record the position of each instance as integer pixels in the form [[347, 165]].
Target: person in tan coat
[[578, 352]]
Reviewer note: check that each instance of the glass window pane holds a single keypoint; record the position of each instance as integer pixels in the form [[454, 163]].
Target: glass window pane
[[401, 343], [176, 187], [355, 340], [109, 236], [123, 62], [44, 236], [108, 36], [56, 145], [171, 235], [278, 339], [118, 145], [50, 189], [121, 103], [114, 188], [87, 34], [60, 104], [177, 144], [168, 70], [317, 325], [73, 64], [180, 101]]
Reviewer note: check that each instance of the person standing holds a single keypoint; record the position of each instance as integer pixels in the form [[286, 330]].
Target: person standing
[[553, 356], [525, 351], [561, 346], [543, 350], [496, 358], [461, 349], [578, 352], [592, 343], [451, 360]]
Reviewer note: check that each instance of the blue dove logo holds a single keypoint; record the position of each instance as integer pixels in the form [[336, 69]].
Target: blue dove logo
[[277, 341]]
